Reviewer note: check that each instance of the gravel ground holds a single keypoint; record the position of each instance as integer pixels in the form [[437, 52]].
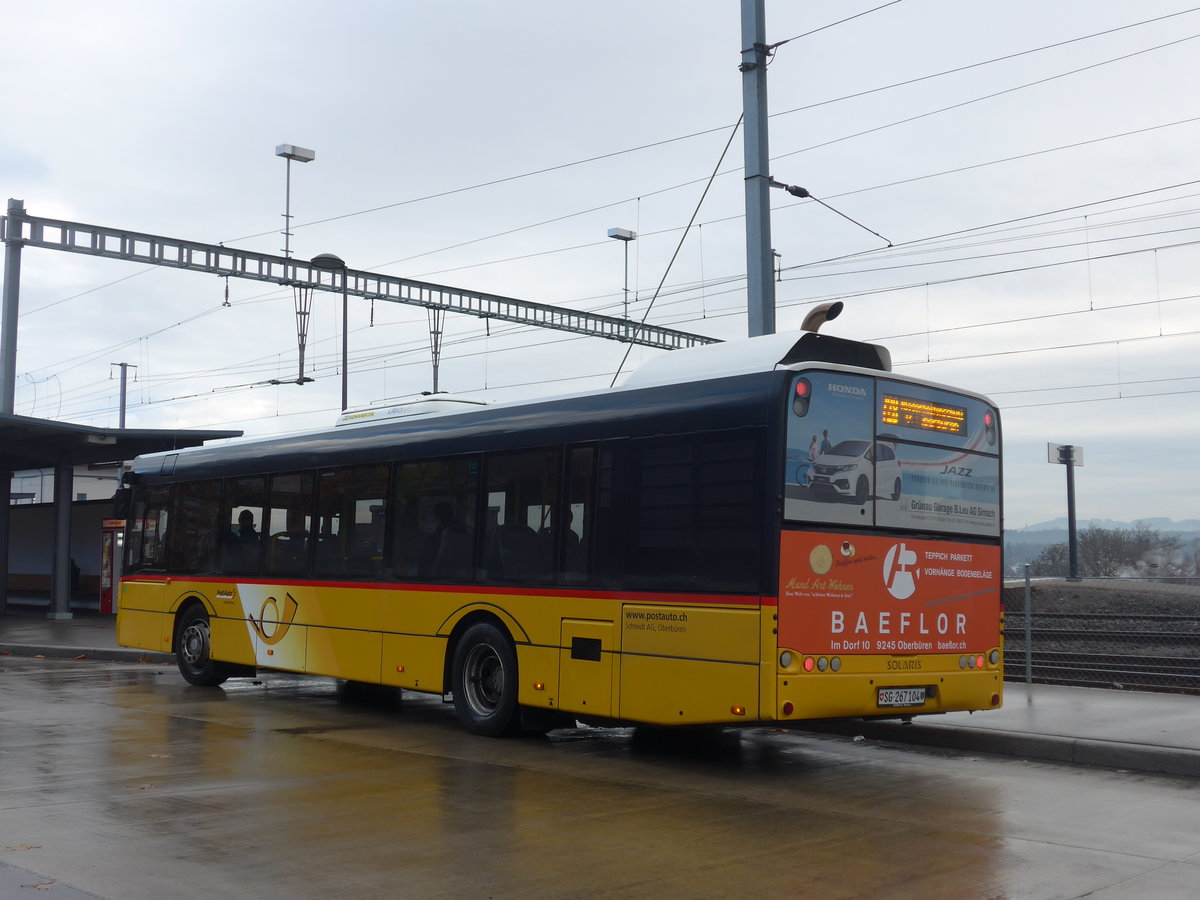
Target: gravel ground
[[1100, 596]]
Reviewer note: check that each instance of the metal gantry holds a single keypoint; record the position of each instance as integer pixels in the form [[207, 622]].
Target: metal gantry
[[20, 229]]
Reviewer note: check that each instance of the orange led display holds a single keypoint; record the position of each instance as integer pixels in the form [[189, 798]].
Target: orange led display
[[924, 415]]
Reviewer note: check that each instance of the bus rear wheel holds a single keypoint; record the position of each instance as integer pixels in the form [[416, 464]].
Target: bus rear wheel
[[193, 650], [484, 680]]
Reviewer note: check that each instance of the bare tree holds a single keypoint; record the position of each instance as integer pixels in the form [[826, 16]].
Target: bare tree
[[1109, 552]]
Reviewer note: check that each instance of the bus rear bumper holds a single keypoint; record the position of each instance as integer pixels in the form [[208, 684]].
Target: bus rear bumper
[[891, 696]]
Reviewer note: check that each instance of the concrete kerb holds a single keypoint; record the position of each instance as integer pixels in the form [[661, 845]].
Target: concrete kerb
[[108, 654], [1148, 758]]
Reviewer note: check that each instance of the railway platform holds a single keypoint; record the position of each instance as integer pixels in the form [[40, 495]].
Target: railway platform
[[1133, 730]]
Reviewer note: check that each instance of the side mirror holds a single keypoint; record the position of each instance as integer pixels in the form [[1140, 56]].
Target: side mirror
[[122, 503]]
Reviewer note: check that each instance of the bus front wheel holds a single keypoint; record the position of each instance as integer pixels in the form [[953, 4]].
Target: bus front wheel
[[193, 650], [484, 680]]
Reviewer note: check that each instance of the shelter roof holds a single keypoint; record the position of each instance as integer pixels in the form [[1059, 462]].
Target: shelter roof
[[28, 443]]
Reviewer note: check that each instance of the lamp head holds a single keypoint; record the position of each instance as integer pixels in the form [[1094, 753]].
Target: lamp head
[[330, 262]]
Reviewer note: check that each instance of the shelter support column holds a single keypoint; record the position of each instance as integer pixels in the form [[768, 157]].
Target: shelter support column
[[5, 518], [60, 588]]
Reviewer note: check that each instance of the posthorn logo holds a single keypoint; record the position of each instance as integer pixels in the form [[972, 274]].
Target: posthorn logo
[[900, 571]]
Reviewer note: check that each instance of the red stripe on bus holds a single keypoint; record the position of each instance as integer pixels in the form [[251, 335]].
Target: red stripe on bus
[[627, 596]]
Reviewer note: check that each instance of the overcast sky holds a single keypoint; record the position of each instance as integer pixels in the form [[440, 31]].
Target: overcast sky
[[1041, 199]]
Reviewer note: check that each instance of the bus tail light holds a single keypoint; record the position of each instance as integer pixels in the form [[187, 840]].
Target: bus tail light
[[788, 709], [822, 664], [802, 397]]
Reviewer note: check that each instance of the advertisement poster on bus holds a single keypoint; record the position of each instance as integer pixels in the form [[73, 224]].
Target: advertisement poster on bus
[[945, 489], [830, 472], [859, 594], [867, 452]]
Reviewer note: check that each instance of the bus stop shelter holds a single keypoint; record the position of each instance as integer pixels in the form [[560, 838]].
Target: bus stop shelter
[[28, 443]]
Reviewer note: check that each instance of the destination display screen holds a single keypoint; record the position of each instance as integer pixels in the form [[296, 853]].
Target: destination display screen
[[923, 414]]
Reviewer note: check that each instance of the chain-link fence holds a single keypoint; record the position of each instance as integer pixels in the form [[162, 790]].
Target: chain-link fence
[[1137, 634]]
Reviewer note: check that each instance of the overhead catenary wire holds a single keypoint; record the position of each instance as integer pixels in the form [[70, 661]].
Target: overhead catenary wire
[[685, 232], [721, 128], [649, 306], [911, 246], [270, 357]]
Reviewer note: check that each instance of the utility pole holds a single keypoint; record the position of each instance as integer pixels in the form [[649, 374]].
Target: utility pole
[[760, 288], [8, 317], [124, 366]]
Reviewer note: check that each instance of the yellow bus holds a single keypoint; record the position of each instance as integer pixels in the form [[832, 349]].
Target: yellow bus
[[767, 530]]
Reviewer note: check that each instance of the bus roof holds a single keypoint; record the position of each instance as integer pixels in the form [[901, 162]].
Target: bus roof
[[724, 385], [757, 354]]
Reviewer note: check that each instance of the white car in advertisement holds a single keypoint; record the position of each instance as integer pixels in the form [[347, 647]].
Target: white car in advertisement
[[856, 471]]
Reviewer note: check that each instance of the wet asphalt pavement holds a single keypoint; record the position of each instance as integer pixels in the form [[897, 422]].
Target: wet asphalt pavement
[[119, 780]]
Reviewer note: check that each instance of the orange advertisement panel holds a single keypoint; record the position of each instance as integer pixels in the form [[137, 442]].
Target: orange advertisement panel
[[858, 594]]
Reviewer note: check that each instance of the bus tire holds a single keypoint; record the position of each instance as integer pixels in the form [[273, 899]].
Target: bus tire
[[484, 680], [193, 650]]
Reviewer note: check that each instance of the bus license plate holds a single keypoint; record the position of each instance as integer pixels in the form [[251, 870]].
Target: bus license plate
[[904, 696]]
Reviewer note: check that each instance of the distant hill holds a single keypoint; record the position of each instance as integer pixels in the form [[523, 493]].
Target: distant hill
[[1167, 526], [1022, 545]]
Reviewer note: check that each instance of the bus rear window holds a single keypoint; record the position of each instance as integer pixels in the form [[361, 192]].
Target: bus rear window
[[870, 452]]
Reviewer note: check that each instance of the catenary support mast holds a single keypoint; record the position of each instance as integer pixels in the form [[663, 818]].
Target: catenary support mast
[[760, 289], [115, 243]]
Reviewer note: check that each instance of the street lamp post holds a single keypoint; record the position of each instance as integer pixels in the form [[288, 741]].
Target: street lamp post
[[299, 154], [330, 262], [301, 295], [624, 235]]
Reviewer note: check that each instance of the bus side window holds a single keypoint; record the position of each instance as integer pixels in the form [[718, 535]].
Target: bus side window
[[433, 534], [523, 490], [289, 523], [572, 541], [242, 544], [195, 532], [147, 525], [693, 513], [350, 515]]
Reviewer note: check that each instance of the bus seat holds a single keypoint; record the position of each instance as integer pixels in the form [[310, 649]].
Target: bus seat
[[517, 554], [453, 559]]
